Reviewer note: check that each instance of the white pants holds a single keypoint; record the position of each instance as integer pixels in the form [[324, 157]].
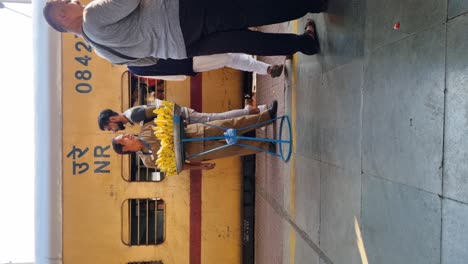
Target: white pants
[[195, 116], [238, 61]]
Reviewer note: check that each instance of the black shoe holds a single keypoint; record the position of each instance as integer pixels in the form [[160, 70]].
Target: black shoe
[[273, 109], [310, 34], [276, 70], [272, 147]]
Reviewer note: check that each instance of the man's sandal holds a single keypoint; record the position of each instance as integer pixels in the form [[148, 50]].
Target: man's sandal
[[311, 31]]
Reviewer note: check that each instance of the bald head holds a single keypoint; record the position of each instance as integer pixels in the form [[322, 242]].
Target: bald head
[[64, 15], [48, 13]]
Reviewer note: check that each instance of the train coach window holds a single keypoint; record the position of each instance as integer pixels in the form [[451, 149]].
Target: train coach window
[[140, 173], [142, 90], [146, 262], [143, 221]]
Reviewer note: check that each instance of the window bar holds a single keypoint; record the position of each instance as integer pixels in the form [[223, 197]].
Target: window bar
[[129, 221], [129, 85], [156, 221], [137, 161], [138, 219], [147, 222], [142, 97], [139, 90], [149, 92], [129, 101], [130, 161]]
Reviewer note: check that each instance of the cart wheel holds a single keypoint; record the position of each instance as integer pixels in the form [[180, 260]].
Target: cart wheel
[[285, 138]]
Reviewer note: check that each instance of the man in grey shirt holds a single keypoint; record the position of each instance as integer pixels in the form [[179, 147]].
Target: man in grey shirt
[[110, 120], [138, 32]]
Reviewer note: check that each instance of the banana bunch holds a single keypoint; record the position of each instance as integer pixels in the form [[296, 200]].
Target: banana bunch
[[164, 132]]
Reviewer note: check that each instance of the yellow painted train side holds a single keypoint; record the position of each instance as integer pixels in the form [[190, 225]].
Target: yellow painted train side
[[98, 195]]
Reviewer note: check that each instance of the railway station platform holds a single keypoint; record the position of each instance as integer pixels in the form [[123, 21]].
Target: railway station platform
[[379, 168]]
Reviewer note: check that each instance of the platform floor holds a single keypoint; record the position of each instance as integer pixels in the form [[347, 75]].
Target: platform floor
[[379, 172]]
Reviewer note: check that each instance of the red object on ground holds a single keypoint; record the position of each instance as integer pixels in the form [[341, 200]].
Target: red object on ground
[[396, 26]]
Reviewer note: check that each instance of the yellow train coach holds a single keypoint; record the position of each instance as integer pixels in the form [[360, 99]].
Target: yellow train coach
[[94, 206]]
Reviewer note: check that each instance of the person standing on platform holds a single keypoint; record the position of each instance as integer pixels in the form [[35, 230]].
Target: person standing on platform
[[110, 120], [146, 145], [139, 32], [177, 70]]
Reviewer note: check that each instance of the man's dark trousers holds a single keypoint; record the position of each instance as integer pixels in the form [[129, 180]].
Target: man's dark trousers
[[221, 26]]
